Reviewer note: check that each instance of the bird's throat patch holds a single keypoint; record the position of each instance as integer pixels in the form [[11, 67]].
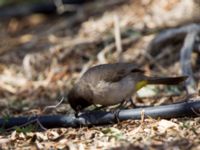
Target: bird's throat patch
[[141, 84]]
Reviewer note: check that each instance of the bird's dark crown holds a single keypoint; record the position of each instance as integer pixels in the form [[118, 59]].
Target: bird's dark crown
[[77, 102]]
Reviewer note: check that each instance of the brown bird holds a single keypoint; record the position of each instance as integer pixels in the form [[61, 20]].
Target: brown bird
[[111, 84]]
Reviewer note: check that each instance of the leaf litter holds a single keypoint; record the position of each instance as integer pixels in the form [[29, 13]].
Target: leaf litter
[[40, 60]]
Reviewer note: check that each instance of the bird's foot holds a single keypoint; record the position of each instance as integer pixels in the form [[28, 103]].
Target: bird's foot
[[132, 103], [116, 115], [77, 114]]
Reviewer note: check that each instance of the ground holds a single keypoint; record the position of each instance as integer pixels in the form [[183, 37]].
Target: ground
[[41, 56]]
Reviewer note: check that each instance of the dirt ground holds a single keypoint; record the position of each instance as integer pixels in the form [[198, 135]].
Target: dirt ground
[[41, 56]]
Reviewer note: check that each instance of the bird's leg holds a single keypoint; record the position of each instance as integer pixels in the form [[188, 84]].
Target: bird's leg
[[76, 114], [132, 103], [120, 106], [118, 109], [116, 115], [124, 103]]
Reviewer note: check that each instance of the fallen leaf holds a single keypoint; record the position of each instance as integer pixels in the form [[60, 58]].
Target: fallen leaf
[[39, 145], [164, 125]]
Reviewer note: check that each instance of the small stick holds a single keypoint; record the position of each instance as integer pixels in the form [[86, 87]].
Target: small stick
[[101, 55], [152, 60], [118, 41], [40, 124], [142, 116], [53, 106], [28, 123]]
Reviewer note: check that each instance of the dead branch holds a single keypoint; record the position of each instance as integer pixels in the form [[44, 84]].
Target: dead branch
[[118, 41], [53, 106]]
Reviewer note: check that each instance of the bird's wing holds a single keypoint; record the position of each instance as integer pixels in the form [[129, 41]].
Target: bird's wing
[[111, 72]]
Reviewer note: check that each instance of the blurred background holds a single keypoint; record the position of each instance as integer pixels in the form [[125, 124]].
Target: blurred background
[[46, 45]]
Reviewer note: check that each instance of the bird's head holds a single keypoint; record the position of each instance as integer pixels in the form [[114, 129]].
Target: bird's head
[[77, 102]]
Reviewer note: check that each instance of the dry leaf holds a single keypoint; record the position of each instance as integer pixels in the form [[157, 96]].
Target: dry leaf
[[164, 125]]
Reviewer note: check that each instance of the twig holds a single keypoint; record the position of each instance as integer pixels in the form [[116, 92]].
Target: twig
[[118, 37], [53, 106], [40, 124], [32, 121], [86, 67], [27, 66], [142, 116], [166, 51], [101, 55], [152, 60], [36, 118], [197, 113]]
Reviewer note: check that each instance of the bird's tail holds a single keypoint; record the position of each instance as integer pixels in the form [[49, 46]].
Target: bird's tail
[[166, 80]]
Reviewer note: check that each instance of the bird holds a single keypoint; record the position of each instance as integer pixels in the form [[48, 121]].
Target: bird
[[111, 84]]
